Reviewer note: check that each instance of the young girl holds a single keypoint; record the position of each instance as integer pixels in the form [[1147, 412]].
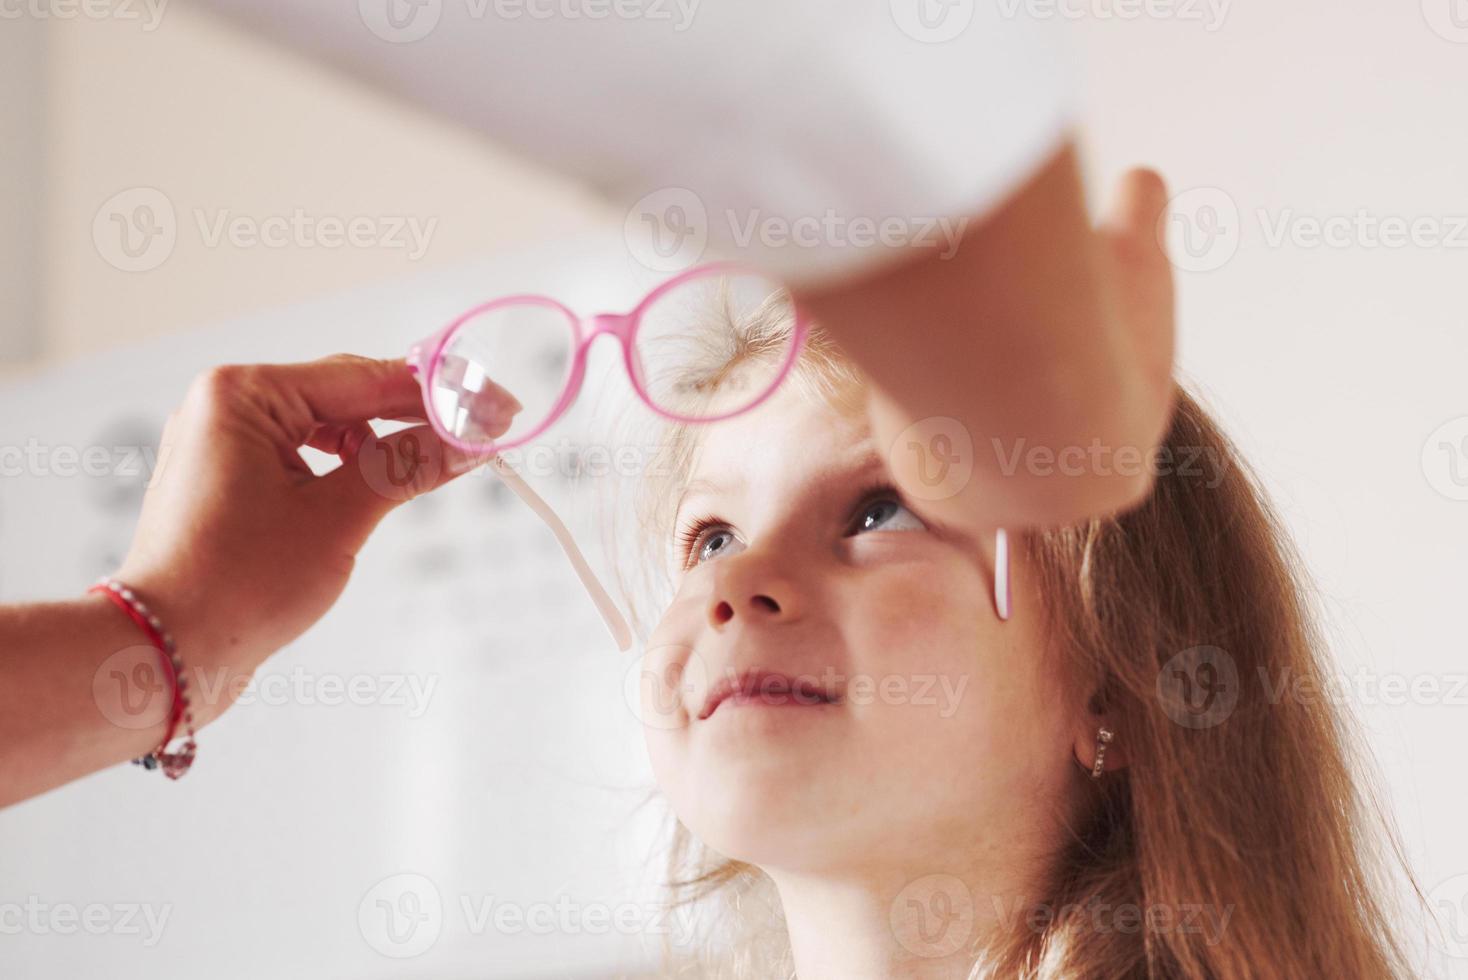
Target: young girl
[[876, 774]]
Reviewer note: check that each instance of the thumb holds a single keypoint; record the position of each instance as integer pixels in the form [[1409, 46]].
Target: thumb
[[1139, 273], [1132, 222]]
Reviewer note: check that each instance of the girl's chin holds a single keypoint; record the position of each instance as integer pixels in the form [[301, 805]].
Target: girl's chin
[[768, 815]]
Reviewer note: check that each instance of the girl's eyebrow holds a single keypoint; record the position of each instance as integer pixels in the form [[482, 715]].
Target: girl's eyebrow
[[707, 487]]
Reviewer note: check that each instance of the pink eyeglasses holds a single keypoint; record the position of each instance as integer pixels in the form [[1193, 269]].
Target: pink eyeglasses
[[503, 372]]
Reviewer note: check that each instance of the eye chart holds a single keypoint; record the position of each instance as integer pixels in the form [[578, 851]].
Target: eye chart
[[442, 778]]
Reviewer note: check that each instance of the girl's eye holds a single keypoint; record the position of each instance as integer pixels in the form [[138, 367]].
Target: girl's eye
[[886, 514], [715, 543], [707, 539]]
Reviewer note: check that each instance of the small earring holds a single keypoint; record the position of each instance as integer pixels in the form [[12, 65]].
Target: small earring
[[1103, 738]]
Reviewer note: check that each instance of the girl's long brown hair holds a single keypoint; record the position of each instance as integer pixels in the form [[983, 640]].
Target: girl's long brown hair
[[1186, 620]]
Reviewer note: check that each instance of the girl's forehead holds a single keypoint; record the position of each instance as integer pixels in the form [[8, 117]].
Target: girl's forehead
[[788, 433], [812, 448]]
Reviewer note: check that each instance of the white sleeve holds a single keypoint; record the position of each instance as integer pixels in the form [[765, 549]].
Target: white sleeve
[[814, 138]]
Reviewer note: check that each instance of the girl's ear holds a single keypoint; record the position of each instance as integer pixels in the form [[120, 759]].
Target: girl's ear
[[1088, 742]]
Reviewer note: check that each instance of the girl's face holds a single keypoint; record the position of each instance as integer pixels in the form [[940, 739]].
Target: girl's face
[[831, 688]]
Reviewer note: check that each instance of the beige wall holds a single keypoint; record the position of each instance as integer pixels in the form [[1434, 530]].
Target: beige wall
[[223, 125], [22, 120]]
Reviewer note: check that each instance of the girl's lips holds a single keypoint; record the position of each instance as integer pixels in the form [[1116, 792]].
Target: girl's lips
[[766, 688]]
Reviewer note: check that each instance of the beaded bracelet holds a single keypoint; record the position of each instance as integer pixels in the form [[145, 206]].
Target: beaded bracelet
[[173, 764]]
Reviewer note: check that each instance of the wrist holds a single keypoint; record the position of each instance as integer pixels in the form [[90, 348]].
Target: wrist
[[131, 700], [217, 660]]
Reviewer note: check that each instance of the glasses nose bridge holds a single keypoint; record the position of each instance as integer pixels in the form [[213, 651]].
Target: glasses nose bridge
[[619, 325]]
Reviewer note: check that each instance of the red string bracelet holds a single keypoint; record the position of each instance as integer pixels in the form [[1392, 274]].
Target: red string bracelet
[[173, 764]]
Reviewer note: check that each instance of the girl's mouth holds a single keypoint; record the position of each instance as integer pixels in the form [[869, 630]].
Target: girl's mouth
[[766, 688]]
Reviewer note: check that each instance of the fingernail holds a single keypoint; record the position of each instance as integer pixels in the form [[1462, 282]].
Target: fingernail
[[500, 413]]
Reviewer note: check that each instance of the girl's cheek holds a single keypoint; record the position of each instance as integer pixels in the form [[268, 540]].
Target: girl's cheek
[[664, 683], [683, 616], [919, 614]]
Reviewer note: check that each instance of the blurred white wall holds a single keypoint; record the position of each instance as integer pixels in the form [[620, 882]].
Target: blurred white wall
[[1333, 351], [185, 112]]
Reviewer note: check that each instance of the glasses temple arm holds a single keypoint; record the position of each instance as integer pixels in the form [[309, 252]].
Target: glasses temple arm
[[621, 633], [1002, 594]]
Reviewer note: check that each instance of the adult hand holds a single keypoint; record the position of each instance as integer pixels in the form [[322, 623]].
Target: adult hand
[[240, 546], [1057, 338]]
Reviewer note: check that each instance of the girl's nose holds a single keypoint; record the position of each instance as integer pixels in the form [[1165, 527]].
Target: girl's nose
[[751, 593]]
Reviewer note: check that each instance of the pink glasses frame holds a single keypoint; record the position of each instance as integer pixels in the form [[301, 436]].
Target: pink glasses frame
[[623, 326]]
